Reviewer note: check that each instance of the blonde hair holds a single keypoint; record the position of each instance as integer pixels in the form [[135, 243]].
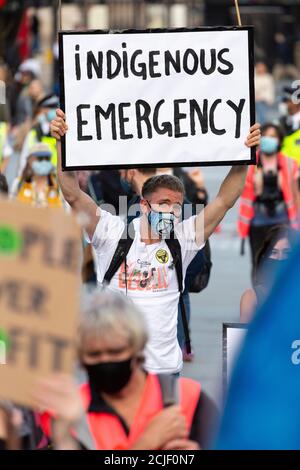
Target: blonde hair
[[105, 315]]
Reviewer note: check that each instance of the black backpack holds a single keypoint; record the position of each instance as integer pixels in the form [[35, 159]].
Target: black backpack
[[200, 279], [173, 244]]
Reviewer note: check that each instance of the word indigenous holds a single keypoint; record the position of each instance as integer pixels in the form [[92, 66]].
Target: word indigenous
[[153, 64]]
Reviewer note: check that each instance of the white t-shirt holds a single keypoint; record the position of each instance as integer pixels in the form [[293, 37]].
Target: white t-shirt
[[151, 284]]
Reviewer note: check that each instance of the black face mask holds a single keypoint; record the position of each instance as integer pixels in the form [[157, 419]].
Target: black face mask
[[109, 377], [269, 270]]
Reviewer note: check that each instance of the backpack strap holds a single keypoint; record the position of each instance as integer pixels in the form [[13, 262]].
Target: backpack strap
[[119, 256], [175, 249]]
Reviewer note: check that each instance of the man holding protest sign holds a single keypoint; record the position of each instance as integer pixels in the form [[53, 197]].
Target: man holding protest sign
[[148, 275]]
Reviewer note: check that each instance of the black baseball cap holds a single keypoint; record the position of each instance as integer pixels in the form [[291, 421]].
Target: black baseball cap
[[49, 101], [289, 91]]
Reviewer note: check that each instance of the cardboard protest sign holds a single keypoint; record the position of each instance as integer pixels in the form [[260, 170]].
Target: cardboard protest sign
[[158, 98], [39, 288], [233, 336]]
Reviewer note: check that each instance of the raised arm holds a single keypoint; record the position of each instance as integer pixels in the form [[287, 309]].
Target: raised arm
[[230, 190], [80, 202]]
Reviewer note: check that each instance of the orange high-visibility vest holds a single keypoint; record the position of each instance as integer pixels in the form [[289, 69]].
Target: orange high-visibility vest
[[246, 211], [106, 429]]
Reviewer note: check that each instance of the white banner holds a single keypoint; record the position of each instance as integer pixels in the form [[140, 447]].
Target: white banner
[[157, 98]]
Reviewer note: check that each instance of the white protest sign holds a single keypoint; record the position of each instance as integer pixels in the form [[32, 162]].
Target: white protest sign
[[159, 98], [233, 337]]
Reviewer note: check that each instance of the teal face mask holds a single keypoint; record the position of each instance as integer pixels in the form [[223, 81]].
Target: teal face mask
[[269, 145], [51, 115], [42, 168], [161, 223]]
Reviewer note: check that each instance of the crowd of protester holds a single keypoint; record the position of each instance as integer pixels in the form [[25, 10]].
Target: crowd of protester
[[131, 349]]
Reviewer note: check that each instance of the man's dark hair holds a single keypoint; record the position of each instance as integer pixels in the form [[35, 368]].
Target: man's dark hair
[[162, 181], [3, 184]]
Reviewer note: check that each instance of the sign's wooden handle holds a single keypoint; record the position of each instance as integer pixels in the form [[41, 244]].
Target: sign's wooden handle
[[238, 14]]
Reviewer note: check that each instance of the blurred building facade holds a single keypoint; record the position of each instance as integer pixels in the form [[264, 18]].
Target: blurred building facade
[[276, 22]]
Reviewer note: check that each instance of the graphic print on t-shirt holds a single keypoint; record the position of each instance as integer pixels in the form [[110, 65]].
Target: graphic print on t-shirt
[[143, 277], [162, 256]]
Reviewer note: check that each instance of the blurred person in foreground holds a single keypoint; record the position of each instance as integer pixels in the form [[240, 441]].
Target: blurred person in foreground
[[273, 255], [125, 407], [262, 410], [270, 193], [38, 185]]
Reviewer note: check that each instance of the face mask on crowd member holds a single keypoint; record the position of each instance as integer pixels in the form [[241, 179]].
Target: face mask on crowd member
[[46, 111], [109, 377], [161, 220], [111, 346], [109, 364], [274, 260], [51, 114], [271, 140], [42, 166], [269, 145], [45, 119], [40, 160], [162, 203]]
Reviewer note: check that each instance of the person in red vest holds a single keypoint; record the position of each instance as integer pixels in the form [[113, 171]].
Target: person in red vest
[[270, 194], [125, 407]]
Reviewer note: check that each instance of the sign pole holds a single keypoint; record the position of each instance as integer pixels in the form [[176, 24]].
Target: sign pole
[[238, 14]]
